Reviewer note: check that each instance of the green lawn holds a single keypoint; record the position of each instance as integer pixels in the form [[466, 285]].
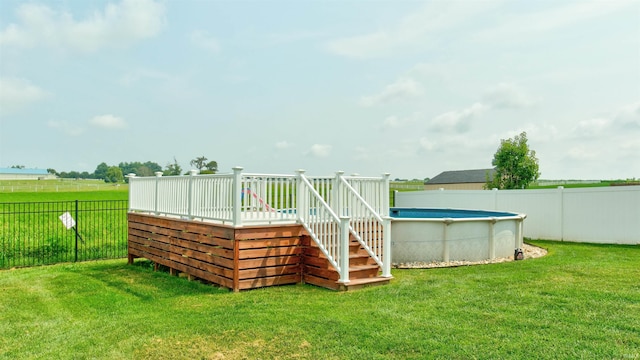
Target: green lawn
[[64, 196], [579, 301], [60, 190]]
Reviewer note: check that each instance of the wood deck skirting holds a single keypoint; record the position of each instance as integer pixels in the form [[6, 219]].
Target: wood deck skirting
[[236, 258]]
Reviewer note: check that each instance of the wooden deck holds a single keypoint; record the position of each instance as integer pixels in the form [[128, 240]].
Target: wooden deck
[[245, 257]]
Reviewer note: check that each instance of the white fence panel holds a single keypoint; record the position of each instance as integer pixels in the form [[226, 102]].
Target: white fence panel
[[598, 215], [602, 214], [542, 207]]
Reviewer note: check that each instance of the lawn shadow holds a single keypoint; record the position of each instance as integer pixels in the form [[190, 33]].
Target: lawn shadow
[[142, 282]]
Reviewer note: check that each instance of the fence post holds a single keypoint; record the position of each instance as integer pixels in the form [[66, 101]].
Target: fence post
[[130, 176], [336, 196], [385, 195], [344, 249], [386, 247], [155, 200], [192, 174], [300, 195], [77, 225], [236, 188], [561, 201]]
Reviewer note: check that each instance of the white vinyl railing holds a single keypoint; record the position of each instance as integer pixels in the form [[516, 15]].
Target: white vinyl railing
[[330, 232], [330, 208], [373, 190], [371, 230]]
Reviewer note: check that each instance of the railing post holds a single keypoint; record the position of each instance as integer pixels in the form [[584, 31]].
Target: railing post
[[236, 188], [300, 195], [192, 174], [386, 247], [129, 176], [385, 195], [336, 195], [344, 249], [155, 200]]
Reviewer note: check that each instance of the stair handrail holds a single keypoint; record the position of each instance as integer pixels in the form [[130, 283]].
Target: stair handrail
[[331, 233], [382, 259]]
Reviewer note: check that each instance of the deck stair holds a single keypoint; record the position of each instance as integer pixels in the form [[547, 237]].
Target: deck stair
[[363, 270]]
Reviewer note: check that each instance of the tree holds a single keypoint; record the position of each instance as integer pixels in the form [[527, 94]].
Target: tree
[[199, 162], [17, 166], [101, 171], [114, 175], [52, 171], [210, 168], [516, 165], [140, 169], [172, 169]]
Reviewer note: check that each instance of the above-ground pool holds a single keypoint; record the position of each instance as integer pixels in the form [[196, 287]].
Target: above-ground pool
[[443, 235]]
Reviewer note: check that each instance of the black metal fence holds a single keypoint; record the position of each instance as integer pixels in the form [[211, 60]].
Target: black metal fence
[[32, 233]]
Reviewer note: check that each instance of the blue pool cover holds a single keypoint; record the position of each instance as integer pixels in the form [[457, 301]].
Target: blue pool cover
[[428, 213]]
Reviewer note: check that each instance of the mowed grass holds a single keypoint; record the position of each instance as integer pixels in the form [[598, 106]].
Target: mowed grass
[[116, 194], [580, 301]]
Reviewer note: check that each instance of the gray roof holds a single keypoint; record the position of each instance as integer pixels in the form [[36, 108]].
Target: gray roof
[[23, 171], [462, 177]]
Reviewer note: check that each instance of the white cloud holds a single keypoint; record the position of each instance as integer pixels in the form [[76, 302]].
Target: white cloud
[[134, 77], [402, 89], [592, 127], [540, 22], [117, 25], [16, 93], [361, 154], [628, 117], [204, 41], [426, 144], [421, 29], [108, 122], [320, 150], [392, 122], [507, 95], [582, 152], [291, 37], [66, 127], [458, 121], [282, 145], [622, 122]]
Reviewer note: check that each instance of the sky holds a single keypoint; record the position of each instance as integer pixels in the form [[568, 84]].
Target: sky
[[408, 88]]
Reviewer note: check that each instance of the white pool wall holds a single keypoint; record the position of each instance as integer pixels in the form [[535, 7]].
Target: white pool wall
[[468, 239]]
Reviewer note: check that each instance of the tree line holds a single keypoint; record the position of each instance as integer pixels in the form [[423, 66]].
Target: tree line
[[116, 174]]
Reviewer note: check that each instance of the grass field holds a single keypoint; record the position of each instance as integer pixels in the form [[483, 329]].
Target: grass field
[[64, 196], [32, 234], [60, 190], [58, 185], [579, 302]]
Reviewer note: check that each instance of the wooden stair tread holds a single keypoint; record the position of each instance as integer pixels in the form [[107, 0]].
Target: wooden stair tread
[[377, 279], [363, 267], [355, 284]]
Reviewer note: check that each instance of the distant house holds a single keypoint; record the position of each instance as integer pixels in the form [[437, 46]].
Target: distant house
[[25, 174], [460, 180]]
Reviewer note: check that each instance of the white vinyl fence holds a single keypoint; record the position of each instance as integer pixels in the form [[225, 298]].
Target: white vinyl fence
[[608, 215]]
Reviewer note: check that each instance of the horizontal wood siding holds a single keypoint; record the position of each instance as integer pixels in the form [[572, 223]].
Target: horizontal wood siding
[[236, 258], [268, 255]]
